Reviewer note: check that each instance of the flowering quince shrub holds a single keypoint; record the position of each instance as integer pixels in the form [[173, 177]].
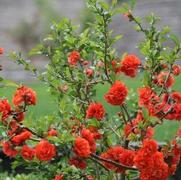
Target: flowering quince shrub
[[82, 141]]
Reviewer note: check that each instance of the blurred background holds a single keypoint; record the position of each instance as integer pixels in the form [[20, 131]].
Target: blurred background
[[23, 23]]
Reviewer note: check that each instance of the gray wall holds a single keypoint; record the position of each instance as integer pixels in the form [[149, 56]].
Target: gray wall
[[12, 12]]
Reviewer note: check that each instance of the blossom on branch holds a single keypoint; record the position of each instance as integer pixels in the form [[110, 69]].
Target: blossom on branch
[[45, 151], [24, 95], [9, 149], [5, 109], [21, 138], [82, 147], [27, 152], [73, 58], [78, 162], [117, 94], [95, 110], [130, 64]]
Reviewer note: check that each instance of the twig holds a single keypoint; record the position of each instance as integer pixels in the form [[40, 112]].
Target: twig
[[126, 111], [105, 49], [139, 24], [115, 132], [122, 114], [95, 160], [119, 165]]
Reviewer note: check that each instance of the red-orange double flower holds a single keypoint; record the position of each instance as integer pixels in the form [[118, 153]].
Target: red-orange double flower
[[117, 94], [24, 95], [45, 151]]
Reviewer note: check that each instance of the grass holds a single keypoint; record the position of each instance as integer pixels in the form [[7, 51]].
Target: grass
[[46, 105]]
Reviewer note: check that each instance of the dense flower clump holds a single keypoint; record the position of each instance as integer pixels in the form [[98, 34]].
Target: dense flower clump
[[120, 155], [24, 95], [27, 153], [78, 162], [21, 138], [45, 151], [18, 135], [9, 149], [150, 162], [129, 65], [95, 110], [117, 94], [81, 147], [73, 58], [5, 109]]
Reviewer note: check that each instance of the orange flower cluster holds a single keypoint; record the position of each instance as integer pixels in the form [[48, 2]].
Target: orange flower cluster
[[117, 94], [133, 127], [78, 162], [73, 58], [95, 110], [129, 65], [151, 162], [24, 95], [120, 155], [81, 147], [44, 151], [158, 106]]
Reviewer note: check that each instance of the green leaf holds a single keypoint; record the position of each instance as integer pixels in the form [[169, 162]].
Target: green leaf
[[175, 39], [122, 10], [93, 122], [104, 5], [146, 115], [165, 30], [9, 83], [118, 37], [146, 80], [48, 38], [1, 79], [36, 51]]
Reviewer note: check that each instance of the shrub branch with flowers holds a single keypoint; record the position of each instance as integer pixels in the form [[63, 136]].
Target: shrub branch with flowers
[[83, 141]]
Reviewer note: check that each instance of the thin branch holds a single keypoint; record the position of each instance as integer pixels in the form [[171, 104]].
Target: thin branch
[[126, 111], [114, 131], [122, 113], [139, 24], [106, 49], [119, 165], [95, 160]]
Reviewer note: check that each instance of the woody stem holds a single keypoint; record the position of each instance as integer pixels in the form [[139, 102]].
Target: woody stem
[[119, 165]]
